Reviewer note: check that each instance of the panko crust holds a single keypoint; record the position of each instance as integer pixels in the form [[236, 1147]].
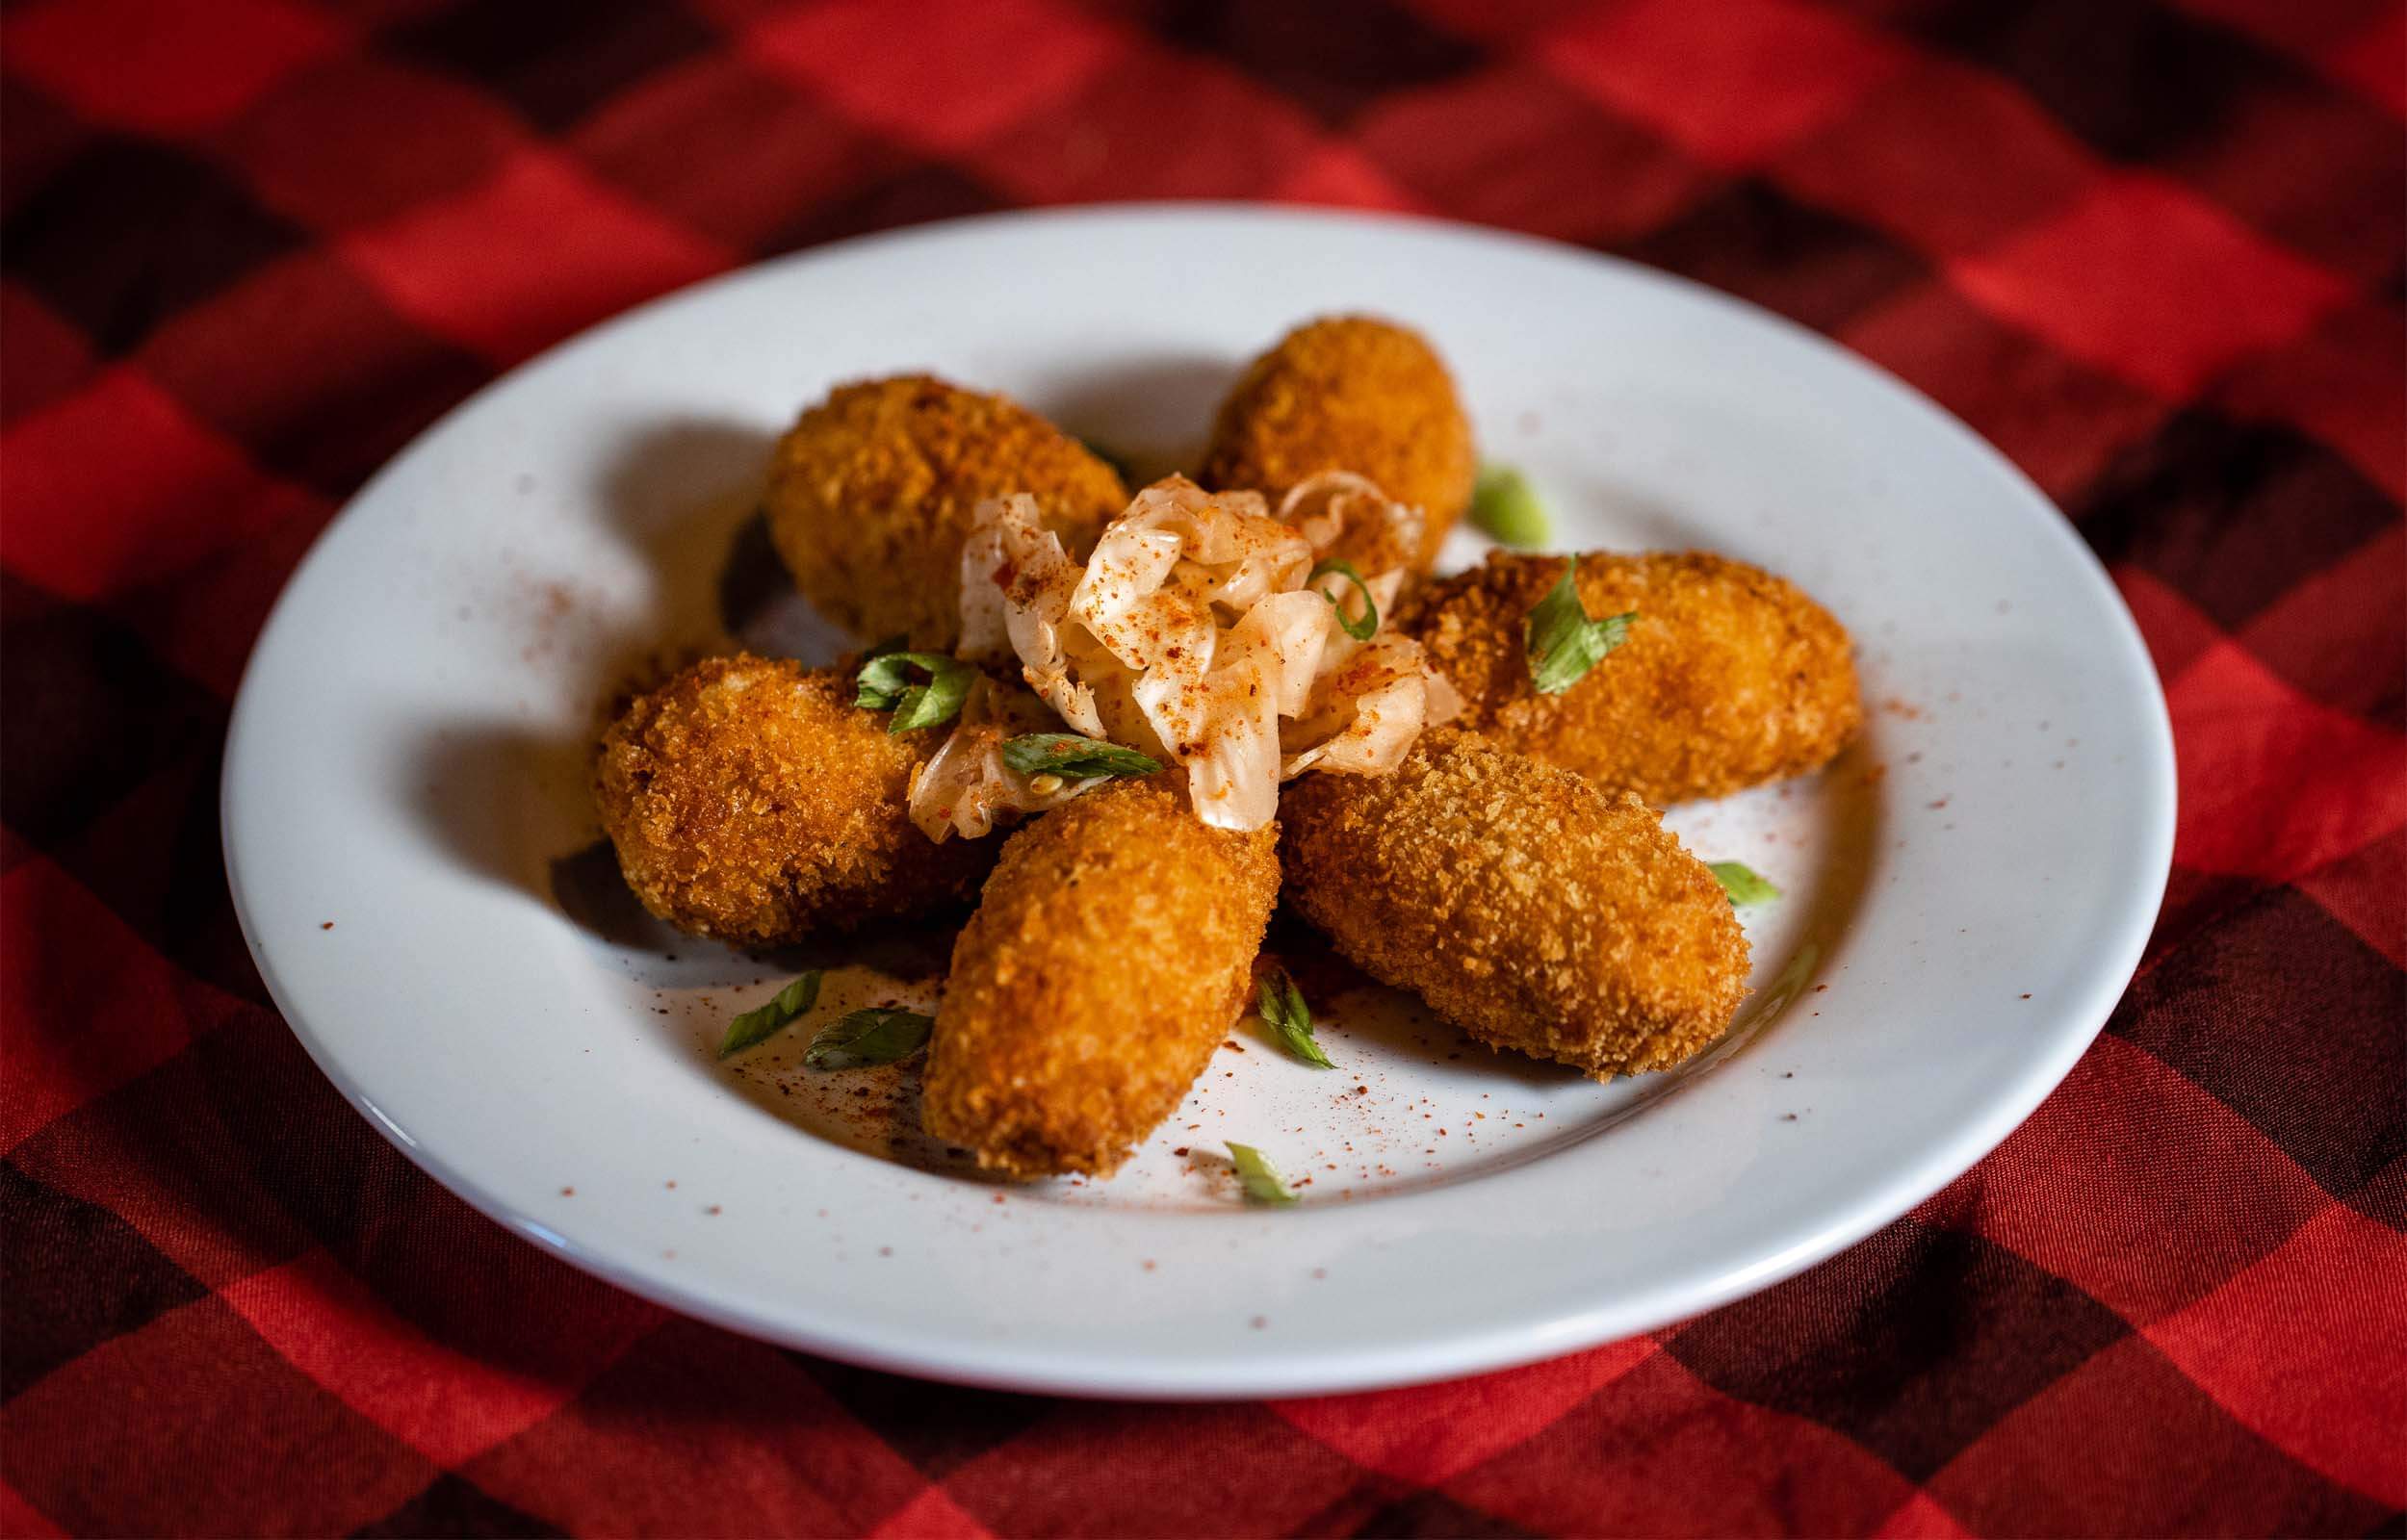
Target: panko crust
[[1521, 903], [873, 491], [751, 802], [1730, 677], [1112, 948], [1350, 392]]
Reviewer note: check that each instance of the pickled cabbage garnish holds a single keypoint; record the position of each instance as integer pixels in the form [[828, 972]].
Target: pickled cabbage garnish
[[1205, 633], [1347, 517]]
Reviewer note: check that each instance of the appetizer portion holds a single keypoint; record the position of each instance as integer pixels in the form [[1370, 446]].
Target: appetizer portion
[[751, 800], [1524, 905], [1353, 393], [1139, 721], [872, 491], [1110, 951], [1722, 676]]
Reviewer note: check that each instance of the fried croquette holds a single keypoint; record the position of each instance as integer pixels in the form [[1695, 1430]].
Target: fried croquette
[[1112, 948], [873, 491], [1350, 392], [1730, 678], [753, 803], [1521, 903]]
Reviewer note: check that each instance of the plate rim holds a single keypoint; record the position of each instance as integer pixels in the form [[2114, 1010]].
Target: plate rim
[[1045, 1368]]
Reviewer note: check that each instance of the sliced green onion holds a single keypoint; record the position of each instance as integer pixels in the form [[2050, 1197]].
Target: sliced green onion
[[878, 1035], [1260, 1178], [1281, 1008], [1564, 644], [886, 684], [1506, 509], [1073, 757], [1362, 629], [1742, 883], [759, 1025]]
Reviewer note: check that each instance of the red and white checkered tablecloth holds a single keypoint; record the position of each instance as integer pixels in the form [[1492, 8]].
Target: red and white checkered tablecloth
[[2153, 248]]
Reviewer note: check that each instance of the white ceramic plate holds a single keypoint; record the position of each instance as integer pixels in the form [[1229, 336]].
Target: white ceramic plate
[[1967, 891]]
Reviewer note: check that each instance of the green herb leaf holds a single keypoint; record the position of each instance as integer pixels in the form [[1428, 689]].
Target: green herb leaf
[[883, 677], [1741, 883], [1262, 1179], [1281, 1005], [1073, 757], [877, 1034], [1361, 630], [1564, 644], [886, 684], [1506, 509], [759, 1025]]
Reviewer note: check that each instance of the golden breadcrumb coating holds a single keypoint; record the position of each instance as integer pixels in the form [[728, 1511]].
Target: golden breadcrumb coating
[[1110, 951], [873, 491], [753, 803], [1524, 905], [1350, 392], [1730, 677]]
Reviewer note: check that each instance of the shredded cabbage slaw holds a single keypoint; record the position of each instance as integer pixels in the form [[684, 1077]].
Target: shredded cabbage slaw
[[1198, 634]]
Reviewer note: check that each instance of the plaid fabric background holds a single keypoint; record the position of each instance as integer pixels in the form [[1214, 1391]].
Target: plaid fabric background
[[2153, 248]]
